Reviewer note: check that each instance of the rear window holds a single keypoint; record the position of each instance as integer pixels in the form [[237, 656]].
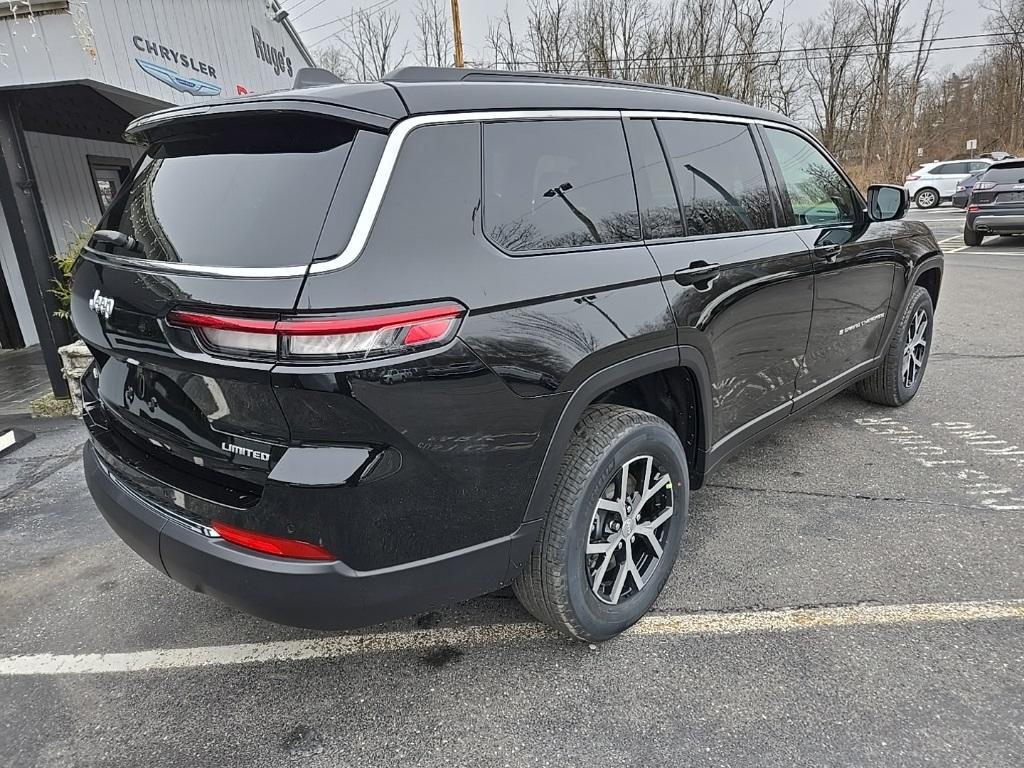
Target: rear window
[[1007, 174], [245, 192], [558, 184]]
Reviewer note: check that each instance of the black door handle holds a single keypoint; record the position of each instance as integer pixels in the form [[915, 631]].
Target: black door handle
[[699, 274]]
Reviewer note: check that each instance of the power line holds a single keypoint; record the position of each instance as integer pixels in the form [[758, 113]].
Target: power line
[[740, 55], [313, 6], [367, 9], [372, 10]]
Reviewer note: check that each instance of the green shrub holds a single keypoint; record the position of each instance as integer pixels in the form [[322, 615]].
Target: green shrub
[[65, 261]]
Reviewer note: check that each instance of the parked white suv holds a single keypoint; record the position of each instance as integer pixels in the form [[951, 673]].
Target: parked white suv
[[934, 182]]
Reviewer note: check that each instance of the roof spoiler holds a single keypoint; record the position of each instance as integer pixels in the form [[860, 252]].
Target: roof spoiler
[[311, 77]]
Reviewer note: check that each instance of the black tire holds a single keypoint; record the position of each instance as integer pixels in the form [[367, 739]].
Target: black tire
[[927, 198], [972, 237], [556, 586], [887, 385]]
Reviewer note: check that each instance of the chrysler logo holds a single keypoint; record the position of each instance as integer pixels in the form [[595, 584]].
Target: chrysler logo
[[101, 305]]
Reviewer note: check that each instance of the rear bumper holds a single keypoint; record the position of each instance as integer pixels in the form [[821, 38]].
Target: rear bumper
[[1010, 223], [305, 594]]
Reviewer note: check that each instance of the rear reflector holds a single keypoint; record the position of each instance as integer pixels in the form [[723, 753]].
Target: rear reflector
[[271, 545], [344, 337]]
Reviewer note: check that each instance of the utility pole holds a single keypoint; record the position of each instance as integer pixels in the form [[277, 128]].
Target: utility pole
[[457, 30]]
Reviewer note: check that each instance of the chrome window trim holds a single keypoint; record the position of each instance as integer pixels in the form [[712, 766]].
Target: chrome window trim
[[382, 178]]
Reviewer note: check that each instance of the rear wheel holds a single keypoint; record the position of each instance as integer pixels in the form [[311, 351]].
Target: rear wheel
[[972, 237], [926, 198], [613, 527], [899, 377]]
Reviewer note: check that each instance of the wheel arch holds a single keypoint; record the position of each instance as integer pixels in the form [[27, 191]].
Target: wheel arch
[[930, 278], [632, 382]]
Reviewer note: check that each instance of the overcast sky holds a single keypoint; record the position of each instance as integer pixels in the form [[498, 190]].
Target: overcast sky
[[963, 18]]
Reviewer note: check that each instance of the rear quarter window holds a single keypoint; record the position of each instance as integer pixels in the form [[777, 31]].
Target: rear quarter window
[[245, 192], [555, 184]]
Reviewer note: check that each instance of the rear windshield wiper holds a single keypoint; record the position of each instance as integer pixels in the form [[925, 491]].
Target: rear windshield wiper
[[117, 239]]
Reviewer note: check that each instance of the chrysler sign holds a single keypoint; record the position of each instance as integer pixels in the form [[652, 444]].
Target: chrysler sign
[[171, 77]]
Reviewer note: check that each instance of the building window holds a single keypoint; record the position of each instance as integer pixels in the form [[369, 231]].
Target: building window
[[108, 174]]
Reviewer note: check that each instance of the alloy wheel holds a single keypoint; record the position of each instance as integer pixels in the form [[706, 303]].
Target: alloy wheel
[[915, 348], [926, 199], [628, 530]]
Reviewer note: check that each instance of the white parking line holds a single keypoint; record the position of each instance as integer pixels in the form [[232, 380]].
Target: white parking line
[[729, 623]]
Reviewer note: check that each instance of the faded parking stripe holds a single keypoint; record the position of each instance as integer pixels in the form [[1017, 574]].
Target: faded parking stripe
[[664, 625]]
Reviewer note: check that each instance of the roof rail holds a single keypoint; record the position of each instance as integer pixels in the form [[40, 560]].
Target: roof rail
[[311, 77], [451, 74]]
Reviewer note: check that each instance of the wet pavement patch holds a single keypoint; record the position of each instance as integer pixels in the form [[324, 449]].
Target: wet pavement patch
[[442, 656]]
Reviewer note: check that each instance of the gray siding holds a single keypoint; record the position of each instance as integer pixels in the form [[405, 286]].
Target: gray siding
[[96, 42], [69, 198], [65, 182]]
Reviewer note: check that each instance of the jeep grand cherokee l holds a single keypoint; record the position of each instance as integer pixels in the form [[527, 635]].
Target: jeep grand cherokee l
[[362, 350]]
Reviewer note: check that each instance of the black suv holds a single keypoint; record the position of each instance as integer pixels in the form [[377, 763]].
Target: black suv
[[366, 349], [996, 204]]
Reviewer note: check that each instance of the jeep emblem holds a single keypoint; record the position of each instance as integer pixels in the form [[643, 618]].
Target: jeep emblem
[[102, 305]]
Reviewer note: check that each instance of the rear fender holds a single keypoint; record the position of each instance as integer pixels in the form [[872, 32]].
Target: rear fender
[[614, 375]]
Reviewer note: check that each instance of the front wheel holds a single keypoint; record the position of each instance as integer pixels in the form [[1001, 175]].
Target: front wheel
[[972, 237], [926, 198], [613, 527], [899, 377]]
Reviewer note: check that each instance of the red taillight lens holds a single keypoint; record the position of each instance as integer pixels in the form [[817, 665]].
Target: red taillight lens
[[354, 336], [912, 177], [973, 209], [271, 545], [983, 185]]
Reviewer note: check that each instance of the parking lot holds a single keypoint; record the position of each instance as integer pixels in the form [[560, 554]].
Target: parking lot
[[850, 592]]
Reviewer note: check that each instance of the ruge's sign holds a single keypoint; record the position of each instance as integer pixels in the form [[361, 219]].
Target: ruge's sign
[[275, 57]]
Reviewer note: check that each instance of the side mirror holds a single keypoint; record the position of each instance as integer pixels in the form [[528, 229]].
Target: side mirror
[[887, 202]]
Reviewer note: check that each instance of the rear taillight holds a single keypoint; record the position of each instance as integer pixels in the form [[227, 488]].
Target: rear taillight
[[912, 177], [271, 545], [973, 209], [983, 185], [354, 336]]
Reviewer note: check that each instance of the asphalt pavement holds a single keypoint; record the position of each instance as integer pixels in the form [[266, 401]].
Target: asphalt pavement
[[850, 592]]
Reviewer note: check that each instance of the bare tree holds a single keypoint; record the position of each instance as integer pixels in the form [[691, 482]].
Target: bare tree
[[333, 59], [505, 46], [434, 33], [369, 44], [836, 77]]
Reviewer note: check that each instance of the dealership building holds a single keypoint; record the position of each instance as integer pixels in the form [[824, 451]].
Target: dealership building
[[73, 74]]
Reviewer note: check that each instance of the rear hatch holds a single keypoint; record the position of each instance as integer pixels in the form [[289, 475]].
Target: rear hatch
[[1001, 188], [223, 215]]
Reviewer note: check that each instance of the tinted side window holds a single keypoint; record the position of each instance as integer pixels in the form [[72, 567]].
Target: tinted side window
[[659, 207], [558, 184], [975, 167], [818, 194], [721, 184], [952, 168]]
